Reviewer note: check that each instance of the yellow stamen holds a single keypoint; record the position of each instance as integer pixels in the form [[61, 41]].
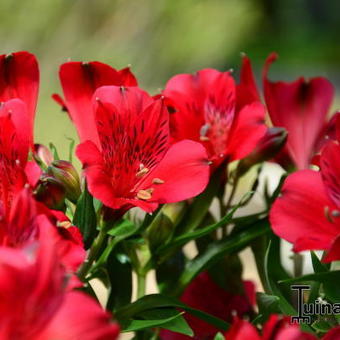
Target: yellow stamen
[[204, 138], [142, 172], [144, 194], [65, 224], [157, 181]]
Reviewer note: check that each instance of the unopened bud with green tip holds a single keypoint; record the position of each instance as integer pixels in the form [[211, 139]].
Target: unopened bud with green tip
[[66, 174], [267, 148], [51, 192]]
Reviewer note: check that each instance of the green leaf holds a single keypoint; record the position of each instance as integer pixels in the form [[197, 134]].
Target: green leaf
[[274, 272], [161, 301], [219, 336], [119, 271], [321, 326], [54, 151], [167, 318], [317, 265], [71, 148], [85, 217], [267, 304], [321, 277], [193, 235], [217, 250], [123, 229], [169, 271], [329, 280]]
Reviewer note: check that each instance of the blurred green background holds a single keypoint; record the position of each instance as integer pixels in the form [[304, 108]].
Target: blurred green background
[[162, 37]]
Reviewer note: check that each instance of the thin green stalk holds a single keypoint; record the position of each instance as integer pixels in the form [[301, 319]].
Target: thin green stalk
[[96, 246], [228, 205]]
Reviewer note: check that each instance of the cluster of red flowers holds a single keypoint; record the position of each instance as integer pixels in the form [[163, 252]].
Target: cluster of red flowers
[[142, 151]]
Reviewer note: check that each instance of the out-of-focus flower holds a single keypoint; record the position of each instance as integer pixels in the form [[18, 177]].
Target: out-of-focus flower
[[307, 213], [66, 174], [275, 328], [35, 300], [211, 109], [300, 107], [79, 81], [135, 165], [19, 78], [204, 294]]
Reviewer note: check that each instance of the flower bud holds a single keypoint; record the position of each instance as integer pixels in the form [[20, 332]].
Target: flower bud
[[50, 192], [267, 147], [159, 231], [65, 173], [42, 155]]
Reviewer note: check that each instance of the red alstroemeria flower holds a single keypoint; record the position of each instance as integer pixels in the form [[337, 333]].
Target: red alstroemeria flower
[[18, 209], [300, 107], [204, 294], [211, 109], [136, 165], [79, 81], [19, 78], [275, 328], [35, 302], [307, 213]]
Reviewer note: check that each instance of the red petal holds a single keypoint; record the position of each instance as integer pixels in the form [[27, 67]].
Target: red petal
[[80, 317], [19, 78], [241, 330], [333, 253], [300, 107], [16, 112], [279, 328], [126, 101], [79, 81], [193, 94], [33, 173], [246, 90], [247, 130], [299, 215], [330, 170], [127, 77], [184, 170], [333, 334]]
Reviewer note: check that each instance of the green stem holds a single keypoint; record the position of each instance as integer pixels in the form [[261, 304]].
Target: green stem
[[141, 285], [259, 247], [96, 246], [228, 205]]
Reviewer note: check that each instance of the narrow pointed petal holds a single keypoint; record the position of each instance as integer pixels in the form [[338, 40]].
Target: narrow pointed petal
[[79, 82], [19, 78], [301, 108], [246, 90], [302, 215]]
